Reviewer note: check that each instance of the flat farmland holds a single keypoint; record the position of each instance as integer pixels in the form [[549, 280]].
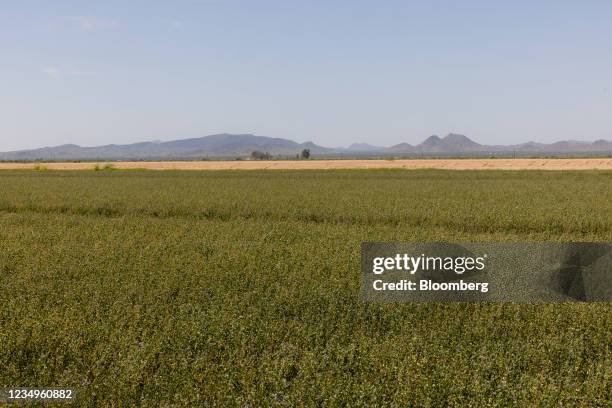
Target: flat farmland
[[241, 288], [446, 164]]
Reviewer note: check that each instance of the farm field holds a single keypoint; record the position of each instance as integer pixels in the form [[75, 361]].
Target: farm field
[[600, 163], [241, 288]]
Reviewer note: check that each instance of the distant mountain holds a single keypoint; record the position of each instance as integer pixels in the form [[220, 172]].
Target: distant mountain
[[460, 142], [364, 147], [221, 145], [456, 144], [450, 143], [603, 144], [432, 142], [564, 146], [402, 147], [231, 146]]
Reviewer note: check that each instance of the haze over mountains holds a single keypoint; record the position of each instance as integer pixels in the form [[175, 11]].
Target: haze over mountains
[[233, 146]]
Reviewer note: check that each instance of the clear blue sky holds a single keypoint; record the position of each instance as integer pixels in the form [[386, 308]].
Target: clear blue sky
[[333, 72]]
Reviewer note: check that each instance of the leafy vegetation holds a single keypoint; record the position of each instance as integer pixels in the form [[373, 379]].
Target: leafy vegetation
[[40, 167], [231, 288], [106, 166]]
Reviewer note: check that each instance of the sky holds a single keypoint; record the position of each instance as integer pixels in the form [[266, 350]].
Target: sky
[[332, 72]]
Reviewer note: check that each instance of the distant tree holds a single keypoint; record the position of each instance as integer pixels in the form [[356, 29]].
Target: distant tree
[[257, 155], [305, 153]]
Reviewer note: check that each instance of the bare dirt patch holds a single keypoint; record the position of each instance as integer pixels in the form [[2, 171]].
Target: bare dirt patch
[[449, 164]]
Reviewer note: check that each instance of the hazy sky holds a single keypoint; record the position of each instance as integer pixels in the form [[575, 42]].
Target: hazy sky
[[333, 72]]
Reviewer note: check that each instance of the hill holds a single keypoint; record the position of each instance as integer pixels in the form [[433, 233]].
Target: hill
[[220, 145], [241, 145]]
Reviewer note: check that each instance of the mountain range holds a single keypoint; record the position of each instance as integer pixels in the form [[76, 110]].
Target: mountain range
[[241, 145]]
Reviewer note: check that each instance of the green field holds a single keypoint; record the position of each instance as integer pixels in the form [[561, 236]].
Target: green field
[[241, 288]]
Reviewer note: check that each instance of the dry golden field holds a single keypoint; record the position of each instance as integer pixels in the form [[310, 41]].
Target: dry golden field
[[449, 164]]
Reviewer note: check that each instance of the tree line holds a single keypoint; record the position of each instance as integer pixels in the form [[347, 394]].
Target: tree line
[[258, 155]]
